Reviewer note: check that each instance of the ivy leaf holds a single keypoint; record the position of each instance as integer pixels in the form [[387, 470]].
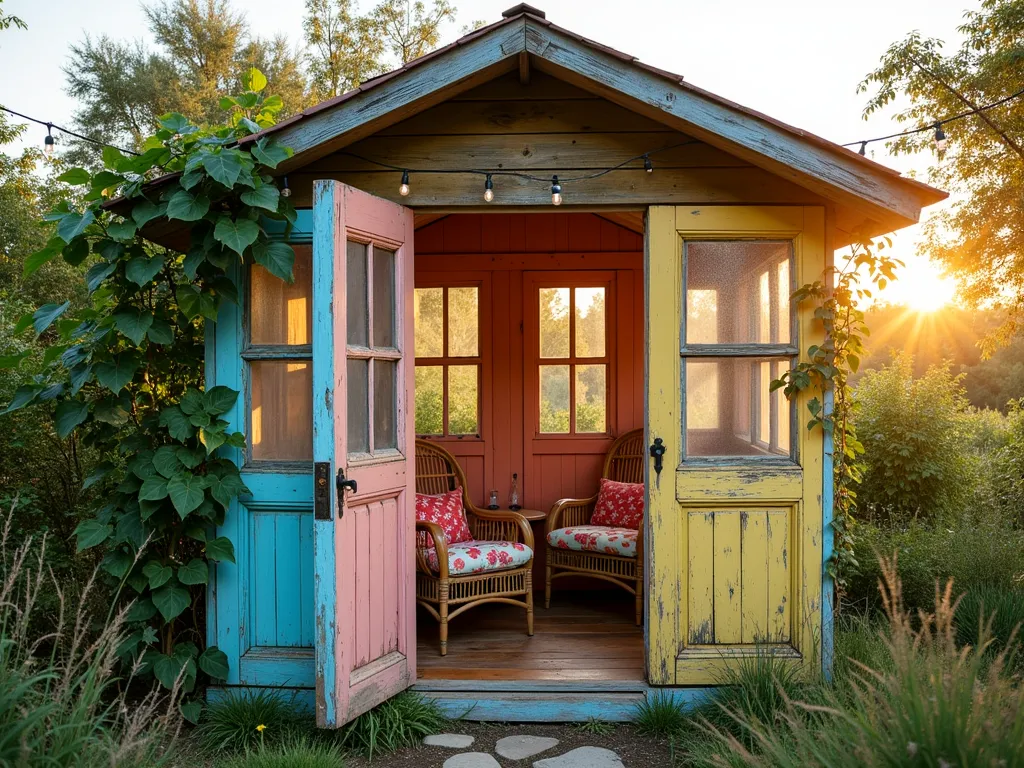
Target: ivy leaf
[[212, 439], [157, 573], [145, 211], [224, 489], [195, 571], [192, 402], [177, 423], [43, 317], [100, 472], [97, 273], [187, 207], [277, 258], [112, 158], [154, 488], [175, 122], [166, 462], [220, 549], [75, 176], [236, 234], [110, 411], [117, 563], [160, 332], [53, 246], [186, 492], [193, 303], [122, 230], [133, 323], [69, 414], [223, 167], [141, 610], [220, 400], [93, 532], [166, 669], [191, 711], [264, 196], [23, 395], [148, 508], [254, 80], [171, 599], [116, 374], [214, 662], [142, 269], [73, 224], [269, 153], [193, 259]]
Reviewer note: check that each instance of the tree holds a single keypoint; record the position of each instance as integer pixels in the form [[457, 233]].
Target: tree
[[344, 50], [409, 29], [10, 21], [980, 237]]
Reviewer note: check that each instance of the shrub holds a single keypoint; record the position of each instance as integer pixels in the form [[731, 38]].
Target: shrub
[[294, 752], [1007, 464], [859, 644], [917, 461], [232, 723], [1002, 610], [660, 714], [401, 721]]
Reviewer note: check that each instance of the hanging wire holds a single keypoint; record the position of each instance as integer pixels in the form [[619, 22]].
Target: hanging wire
[[54, 127]]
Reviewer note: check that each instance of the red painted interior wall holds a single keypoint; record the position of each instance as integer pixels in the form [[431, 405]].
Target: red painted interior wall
[[503, 251]]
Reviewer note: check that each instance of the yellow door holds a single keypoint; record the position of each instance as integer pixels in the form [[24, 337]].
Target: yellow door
[[735, 513]]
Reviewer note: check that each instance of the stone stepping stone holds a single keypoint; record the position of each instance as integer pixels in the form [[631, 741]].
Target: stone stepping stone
[[522, 747], [449, 740], [581, 757], [473, 760]]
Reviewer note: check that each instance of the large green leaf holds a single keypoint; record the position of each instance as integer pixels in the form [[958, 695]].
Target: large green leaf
[[175, 122], [224, 166], [99, 472], [145, 211], [97, 273], [177, 423], [160, 332], [220, 400], [75, 176], [193, 302], [117, 373], [236, 234], [277, 258], [23, 395], [142, 269], [264, 196], [191, 710], [269, 152], [157, 573], [254, 80], [93, 532], [122, 230], [212, 439], [133, 323], [214, 662], [43, 317], [117, 563], [154, 488], [53, 247], [192, 402], [74, 224], [141, 610], [166, 462], [171, 599], [220, 549], [69, 414], [224, 489], [186, 491], [185, 206], [195, 571]]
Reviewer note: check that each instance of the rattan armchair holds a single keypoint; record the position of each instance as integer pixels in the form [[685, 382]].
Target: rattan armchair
[[623, 463], [437, 589]]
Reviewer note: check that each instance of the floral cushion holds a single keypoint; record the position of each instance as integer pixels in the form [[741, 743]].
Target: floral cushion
[[620, 505], [596, 538], [479, 556], [447, 511]]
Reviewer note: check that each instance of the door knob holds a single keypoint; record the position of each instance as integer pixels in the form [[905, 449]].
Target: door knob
[[342, 484]]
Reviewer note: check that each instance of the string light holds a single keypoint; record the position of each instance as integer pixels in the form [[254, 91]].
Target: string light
[[863, 149], [648, 165], [940, 138], [48, 142], [556, 191], [403, 188], [286, 191], [488, 189]]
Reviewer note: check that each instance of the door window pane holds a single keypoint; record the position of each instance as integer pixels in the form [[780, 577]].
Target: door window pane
[[428, 311], [785, 289], [280, 312], [462, 400], [385, 405], [554, 399], [554, 323], [383, 298], [764, 426], [591, 398], [281, 417], [590, 322], [355, 296], [358, 406], [782, 408], [463, 322], [429, 400], [744, 279]]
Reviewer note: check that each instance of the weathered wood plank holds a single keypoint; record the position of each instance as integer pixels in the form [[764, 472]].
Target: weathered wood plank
[[728, 578], [701, 573], [754, 568], [779, 581], [508, 88]]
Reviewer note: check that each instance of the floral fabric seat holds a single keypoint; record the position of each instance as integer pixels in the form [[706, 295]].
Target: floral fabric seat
[[605, 539], [480, 556]]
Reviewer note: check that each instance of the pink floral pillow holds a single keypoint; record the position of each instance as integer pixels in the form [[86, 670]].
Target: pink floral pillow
[[619, 504], [446, 510]]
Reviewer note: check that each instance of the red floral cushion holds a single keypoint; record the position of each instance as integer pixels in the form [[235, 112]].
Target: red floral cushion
[[620, 505], [447, 511]]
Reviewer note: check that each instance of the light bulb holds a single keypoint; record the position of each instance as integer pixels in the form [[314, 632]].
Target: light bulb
[[48, 144], [556, 191], [863, 148], [488, 189], [648, 165], [940, 138], [403, 188], [286, 191]]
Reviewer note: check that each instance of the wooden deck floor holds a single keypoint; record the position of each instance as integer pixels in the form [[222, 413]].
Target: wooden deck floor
[[584, 636]]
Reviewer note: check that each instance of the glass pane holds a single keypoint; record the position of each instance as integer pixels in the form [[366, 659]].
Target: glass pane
[[720, 395], [358, 406], [429, 400], [383, 298], [591, 398], [702, 316], [462, 400], [355, 298], [281, 313], [782, 408], [385, 405], [590, 324], [463, 322], [785, 290], [428, 310], [732, 292], [554, 324], [554, 399], [281, 395]]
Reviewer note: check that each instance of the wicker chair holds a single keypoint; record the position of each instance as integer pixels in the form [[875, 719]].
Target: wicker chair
[[624, 463], [437, 590]]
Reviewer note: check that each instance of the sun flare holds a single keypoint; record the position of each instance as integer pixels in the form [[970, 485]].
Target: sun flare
[[922, 287]]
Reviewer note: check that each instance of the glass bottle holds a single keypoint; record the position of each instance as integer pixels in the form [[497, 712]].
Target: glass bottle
[[493, 504], [513, 495]]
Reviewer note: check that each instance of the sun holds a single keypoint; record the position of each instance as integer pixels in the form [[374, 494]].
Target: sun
[[922, 287]]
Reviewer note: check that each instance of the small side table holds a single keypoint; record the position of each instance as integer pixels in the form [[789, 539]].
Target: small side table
[[533, 515]]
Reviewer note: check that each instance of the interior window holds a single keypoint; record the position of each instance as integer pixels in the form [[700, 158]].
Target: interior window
[[738, 338], [448, 359], [573, 360]]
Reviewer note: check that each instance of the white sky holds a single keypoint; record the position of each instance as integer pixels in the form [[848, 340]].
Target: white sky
[[796, 60]]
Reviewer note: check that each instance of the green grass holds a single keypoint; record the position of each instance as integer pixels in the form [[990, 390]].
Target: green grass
[[399, 722], [1001, 609], [231, 723], [659, 714], [293, 752], [595, 727]]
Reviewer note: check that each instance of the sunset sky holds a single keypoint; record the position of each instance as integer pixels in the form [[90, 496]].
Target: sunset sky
[[797, 60]]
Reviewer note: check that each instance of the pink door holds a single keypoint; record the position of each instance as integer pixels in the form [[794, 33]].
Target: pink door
[[363, 444]]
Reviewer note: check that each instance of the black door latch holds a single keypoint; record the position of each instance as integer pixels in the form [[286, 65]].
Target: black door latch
[[657, 451], [342, 484]]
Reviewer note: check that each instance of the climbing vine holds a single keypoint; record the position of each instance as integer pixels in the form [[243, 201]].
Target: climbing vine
[[126, 372], [839, 296]]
